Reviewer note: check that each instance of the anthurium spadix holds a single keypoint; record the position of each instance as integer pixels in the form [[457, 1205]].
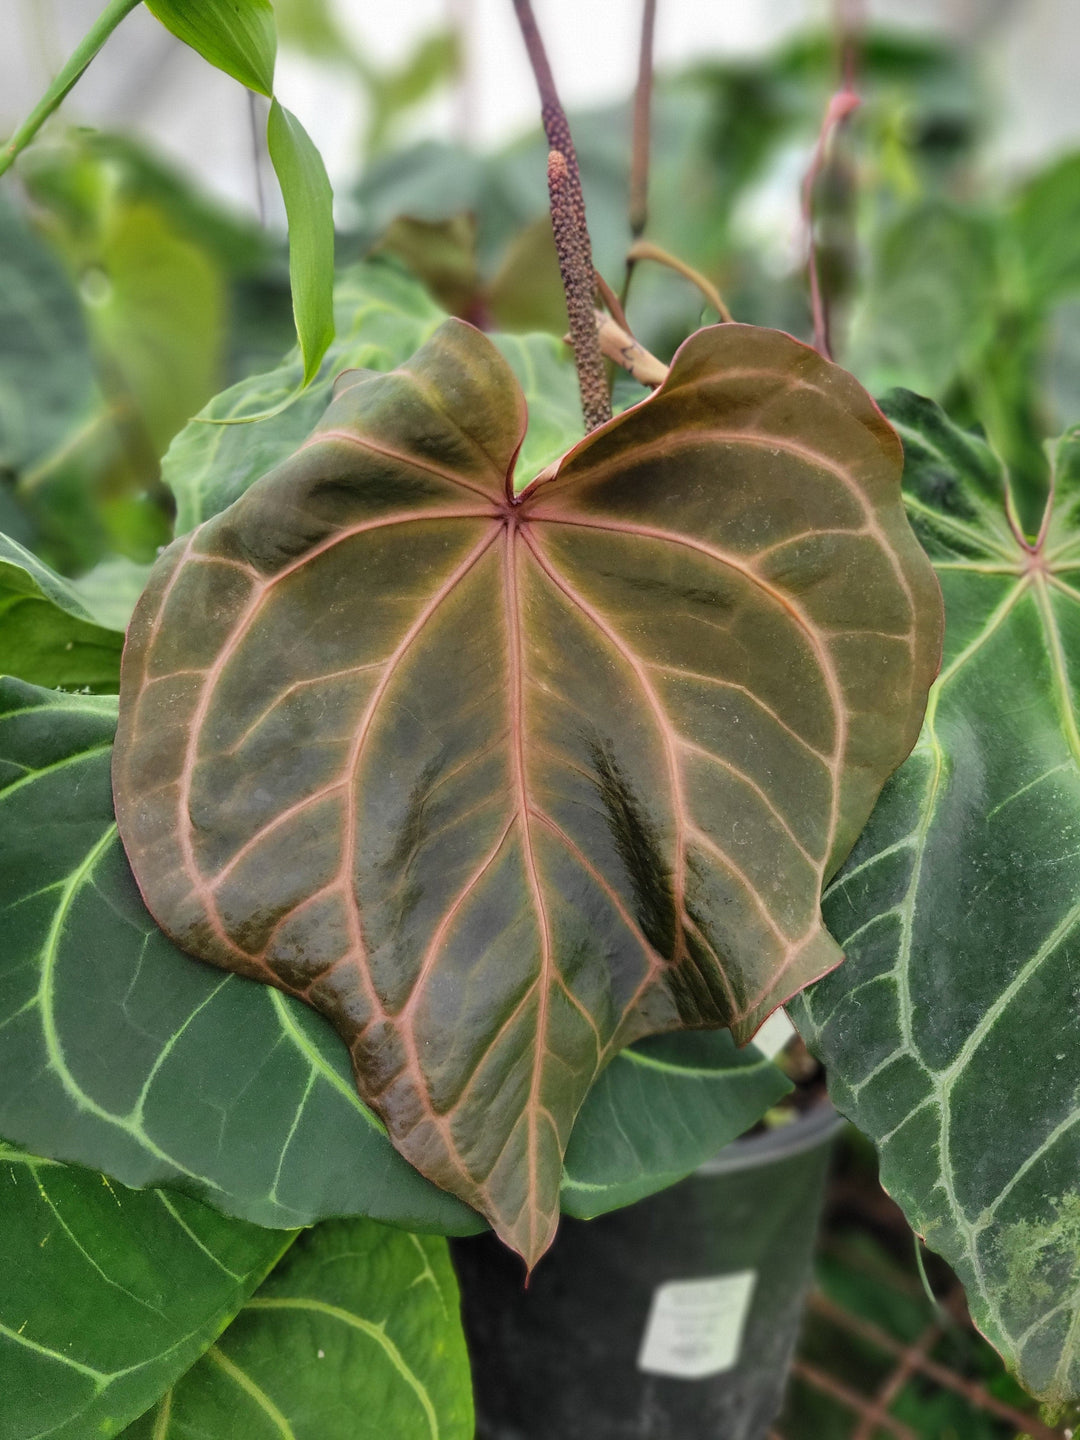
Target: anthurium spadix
[[501, 782]]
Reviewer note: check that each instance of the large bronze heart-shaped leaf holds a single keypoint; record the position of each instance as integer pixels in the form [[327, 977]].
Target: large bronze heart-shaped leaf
[[504, 782]]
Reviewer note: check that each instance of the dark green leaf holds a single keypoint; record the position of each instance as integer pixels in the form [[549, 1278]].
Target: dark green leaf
[[355, 1336], [49, 634], [121, 1052], [309, 205], [503, 782], [658, 1111], [950, 1032], [47, 381], [107, 1295], [237, 36]]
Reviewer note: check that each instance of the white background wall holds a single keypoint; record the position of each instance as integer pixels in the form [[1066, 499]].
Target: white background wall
[[146, 80]]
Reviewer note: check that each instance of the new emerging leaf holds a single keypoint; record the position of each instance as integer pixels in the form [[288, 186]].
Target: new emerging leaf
[[502, 782]]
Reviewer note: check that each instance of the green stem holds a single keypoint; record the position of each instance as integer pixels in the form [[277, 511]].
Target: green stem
[[88, 47]]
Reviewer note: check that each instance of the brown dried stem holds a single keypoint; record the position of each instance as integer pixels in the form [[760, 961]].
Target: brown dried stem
[[639, 165], [571, 232]]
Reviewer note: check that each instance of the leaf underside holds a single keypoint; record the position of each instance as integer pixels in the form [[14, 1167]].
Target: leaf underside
[[502, 783], [950, 1034]]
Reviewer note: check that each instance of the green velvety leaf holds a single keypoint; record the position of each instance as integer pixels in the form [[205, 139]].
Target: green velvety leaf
[[658, 1111], [355, 1336], [1045, 219], [107, 1295], [237, 36], [47, 381], [381, 316], [950, 1032], [49, 633], [122, 1052], [309, 205], [503, 782]]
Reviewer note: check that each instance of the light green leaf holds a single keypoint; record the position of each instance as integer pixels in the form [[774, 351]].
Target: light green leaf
[[309, 205], [157, 309], [49, 633], [107, 1295], [950, 1031], [355, 1336], [1044, 224], [111, 589], [122, 1052], [237, 36], [928, 308], [382, 316]]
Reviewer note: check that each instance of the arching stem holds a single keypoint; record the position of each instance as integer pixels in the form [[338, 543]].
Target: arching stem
[[842, 103], [571, 232]]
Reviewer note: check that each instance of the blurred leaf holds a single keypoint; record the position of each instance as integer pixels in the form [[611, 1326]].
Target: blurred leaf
[[312, 26], [929, 305], [156, 304], [435, 60], [441, 253], [355, 1336], [47, 384], [309, 205], [527, 293], [109, 1294], [1045, 223], [49, 634], [382, 316], [111, 589], [237, 36]]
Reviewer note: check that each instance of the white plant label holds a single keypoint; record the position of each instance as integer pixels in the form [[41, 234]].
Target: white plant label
[[774, 1034], [695, 1327]]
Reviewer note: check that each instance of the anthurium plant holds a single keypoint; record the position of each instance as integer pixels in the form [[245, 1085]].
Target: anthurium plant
[[470, 791]]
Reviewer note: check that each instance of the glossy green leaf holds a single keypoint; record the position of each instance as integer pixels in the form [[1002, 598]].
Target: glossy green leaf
[[381, 315], [48, 632], [503, 782], [237, 36], [309, 205], [355, 1336], [950, 1033], [152, 1081], [108, 1295]]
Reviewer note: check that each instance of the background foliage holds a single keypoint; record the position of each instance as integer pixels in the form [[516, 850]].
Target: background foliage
[[129, 301]]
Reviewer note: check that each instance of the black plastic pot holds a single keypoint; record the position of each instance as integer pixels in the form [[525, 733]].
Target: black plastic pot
[[674, 1319]]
